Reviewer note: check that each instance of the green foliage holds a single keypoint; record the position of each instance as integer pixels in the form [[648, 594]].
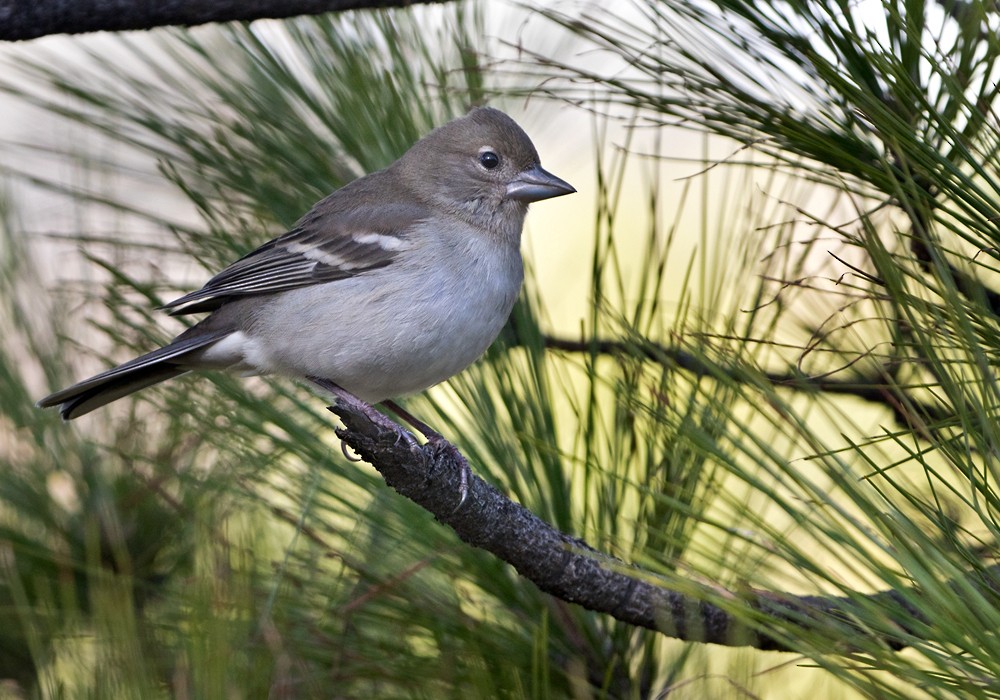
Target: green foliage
[[301, 572], [890, 104]]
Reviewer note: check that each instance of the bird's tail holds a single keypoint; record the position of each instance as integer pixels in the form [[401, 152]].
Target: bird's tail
[[155, 367]]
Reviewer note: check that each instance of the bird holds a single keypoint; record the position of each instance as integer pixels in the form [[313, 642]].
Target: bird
[[391, 284]]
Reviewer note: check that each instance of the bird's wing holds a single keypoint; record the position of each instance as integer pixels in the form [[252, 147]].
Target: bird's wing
[[326, 245]]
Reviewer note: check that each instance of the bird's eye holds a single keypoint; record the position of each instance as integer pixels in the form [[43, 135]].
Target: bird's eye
[[489, 160]]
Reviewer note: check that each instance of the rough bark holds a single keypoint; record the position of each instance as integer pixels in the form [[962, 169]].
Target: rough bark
[[571, 570], [30, 19]]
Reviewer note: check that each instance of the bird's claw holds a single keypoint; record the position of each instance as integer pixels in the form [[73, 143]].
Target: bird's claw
[[406, 436], [442, 446], [350, 457], [434, 438]]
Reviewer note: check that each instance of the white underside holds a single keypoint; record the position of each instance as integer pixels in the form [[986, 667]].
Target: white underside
[[386, 333]]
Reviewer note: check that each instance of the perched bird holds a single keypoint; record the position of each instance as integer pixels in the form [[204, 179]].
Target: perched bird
[[386, 287]]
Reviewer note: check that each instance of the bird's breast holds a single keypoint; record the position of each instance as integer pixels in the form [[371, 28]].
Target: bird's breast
[[399, 329]]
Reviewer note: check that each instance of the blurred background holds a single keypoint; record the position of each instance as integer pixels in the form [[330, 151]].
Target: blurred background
[[755, 351]]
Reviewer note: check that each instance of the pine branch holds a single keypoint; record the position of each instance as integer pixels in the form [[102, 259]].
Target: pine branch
[[573, 571], [873, 389], [30, 19]]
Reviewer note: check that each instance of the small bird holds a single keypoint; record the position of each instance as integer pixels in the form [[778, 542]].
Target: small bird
[[388, 286]]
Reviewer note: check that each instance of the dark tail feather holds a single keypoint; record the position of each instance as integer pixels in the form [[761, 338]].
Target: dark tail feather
[[87, 399], [152, 368]]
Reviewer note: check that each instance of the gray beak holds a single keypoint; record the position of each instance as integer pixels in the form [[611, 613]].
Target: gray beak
[[536, 184]]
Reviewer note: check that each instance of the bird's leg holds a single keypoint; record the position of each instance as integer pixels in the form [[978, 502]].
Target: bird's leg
[[434, 438], [438, 441], [364, 408]]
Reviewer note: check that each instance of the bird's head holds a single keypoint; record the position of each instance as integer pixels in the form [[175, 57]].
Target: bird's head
[[480, 166]]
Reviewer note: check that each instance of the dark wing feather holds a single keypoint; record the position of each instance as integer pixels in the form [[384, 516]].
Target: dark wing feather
[[331, 242]]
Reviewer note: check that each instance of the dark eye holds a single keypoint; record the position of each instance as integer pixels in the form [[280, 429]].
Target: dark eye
[[489, 160]]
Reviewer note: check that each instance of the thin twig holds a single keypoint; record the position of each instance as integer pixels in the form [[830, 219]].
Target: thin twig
[[874, 389]]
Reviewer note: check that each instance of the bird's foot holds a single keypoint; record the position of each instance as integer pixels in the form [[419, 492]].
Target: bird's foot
[[441, 446], [367, 410]]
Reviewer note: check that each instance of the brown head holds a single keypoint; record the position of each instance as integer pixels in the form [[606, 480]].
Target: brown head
[[479, 166]]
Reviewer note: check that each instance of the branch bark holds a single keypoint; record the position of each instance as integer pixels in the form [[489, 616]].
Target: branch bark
[[30, 19], [872, 389], [571, 570]]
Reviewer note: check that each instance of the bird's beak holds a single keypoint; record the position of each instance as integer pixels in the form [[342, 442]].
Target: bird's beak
[[535, 184]]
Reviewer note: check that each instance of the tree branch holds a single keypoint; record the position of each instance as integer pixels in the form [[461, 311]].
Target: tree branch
[[30, 19], [571, 570], [870, 389]]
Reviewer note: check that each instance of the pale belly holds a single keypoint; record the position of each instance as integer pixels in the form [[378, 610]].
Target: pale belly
[[378, 336]]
